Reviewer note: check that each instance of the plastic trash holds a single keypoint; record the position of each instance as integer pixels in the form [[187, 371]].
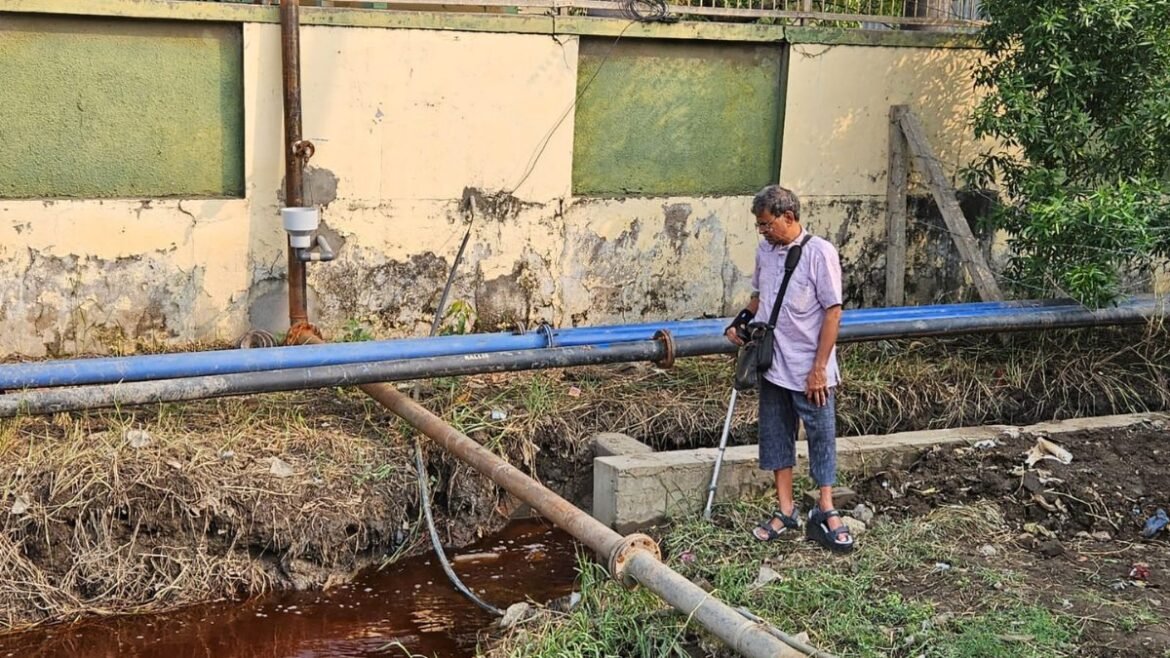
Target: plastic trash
[[1155, 524], [1045, 449]]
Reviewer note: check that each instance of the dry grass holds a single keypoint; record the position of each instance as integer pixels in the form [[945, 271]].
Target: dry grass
[[148, 510]]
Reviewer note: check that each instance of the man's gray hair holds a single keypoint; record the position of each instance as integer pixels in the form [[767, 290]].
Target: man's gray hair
[[776, 200]]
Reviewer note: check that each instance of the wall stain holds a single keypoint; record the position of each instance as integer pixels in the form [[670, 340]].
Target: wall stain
[[499, 206], [675, 226]]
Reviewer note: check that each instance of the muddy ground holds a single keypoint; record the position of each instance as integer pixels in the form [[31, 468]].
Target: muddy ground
[[1072, 531]]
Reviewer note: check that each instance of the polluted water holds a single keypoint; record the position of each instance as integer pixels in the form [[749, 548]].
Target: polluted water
[[408, 607]]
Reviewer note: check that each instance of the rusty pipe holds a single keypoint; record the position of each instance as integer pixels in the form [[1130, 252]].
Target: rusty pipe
[[294, 193], [631, 559]]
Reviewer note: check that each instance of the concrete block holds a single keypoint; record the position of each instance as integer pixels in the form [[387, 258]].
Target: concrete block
[[608, 444], [633, 491]]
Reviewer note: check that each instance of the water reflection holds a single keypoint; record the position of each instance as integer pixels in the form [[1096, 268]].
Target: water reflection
[[410, 603]]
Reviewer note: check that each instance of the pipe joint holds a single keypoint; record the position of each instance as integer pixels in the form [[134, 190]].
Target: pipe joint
[[303, 149], [622, 551], [667, 360], [320, 253]]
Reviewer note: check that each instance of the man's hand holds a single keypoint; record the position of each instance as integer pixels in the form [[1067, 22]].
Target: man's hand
[[740, 323], [816, 389], [733, 336]]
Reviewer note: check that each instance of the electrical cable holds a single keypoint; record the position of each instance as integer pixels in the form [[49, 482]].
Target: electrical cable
[[535, 157], [648, 11], [424, 494]]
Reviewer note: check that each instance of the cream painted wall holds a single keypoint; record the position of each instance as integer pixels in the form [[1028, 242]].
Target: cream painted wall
[[836, 124], [404, 121]]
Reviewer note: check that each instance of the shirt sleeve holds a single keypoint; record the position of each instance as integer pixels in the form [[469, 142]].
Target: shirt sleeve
[[828, 277], [756, 273]]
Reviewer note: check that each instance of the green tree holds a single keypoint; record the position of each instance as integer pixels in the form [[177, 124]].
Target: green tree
[[1079, 96]]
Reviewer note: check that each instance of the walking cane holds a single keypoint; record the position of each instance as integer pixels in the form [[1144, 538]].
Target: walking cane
[[719, 458]]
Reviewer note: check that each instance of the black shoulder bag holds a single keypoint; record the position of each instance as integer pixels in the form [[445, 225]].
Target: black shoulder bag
[[755, 356]]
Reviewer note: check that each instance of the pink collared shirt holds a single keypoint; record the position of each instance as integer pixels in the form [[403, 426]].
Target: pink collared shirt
[[815, 287]]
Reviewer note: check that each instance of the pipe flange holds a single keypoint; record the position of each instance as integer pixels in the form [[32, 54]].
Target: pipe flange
[[667, 360], [298, 334], [620, 555], [303, 149]]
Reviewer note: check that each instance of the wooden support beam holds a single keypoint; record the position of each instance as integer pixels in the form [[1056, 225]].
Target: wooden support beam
[[944, 196], [897, 174]]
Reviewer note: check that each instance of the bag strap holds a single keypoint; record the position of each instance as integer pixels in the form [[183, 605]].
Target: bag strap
[[790, 263]]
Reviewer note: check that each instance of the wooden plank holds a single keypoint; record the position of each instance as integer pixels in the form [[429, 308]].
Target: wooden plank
[[897, 174], [944, 196]]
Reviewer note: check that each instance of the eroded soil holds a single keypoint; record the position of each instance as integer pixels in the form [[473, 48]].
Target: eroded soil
[[1073, 531]]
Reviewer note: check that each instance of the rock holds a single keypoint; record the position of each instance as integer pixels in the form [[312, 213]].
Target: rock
[[137, 438], [280, 469], [857, 527], [1032, 483], [1010, 433], [20, 505], [227, 455], [516, 613], [987, 550], [1050, 548], [843, 498], [862, 513], [1102, 536], [766, 575]]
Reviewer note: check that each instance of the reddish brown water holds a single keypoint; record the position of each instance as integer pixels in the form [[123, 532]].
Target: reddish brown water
[[409, 606]]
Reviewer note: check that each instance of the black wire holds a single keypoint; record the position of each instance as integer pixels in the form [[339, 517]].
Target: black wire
[[648, 11]]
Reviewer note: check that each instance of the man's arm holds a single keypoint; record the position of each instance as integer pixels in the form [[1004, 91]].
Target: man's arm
[[817, 388]]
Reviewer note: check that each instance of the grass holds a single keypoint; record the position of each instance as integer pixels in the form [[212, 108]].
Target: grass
[[888, 599]]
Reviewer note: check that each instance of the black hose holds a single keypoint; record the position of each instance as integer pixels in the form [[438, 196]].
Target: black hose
[[424, 494], [54, 400]]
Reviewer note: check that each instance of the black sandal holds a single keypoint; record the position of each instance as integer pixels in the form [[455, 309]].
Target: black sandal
[[839, 540], [787, 523]]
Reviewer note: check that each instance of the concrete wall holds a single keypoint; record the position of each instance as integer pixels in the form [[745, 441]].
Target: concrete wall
[[413, 129]]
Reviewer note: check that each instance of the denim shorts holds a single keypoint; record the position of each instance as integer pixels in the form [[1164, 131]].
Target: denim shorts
[[781, 411]]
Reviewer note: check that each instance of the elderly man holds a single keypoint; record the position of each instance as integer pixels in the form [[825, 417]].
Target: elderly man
[[800, 384]]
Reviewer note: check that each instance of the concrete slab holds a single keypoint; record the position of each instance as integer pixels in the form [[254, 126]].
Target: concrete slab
[[608, 444], [635, 490]]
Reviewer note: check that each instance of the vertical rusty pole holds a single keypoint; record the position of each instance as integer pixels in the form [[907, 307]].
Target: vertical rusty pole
[[294, 194]]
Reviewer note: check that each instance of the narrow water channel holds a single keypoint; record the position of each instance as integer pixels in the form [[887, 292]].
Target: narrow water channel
[[407, 607]]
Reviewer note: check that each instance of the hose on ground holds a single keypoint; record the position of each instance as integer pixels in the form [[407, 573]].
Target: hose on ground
[[424, 494]]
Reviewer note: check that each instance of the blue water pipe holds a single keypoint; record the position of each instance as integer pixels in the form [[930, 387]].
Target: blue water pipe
[[74, 372]]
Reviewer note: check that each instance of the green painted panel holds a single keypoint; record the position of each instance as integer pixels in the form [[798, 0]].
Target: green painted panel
[[672, 118], [103, 108]]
